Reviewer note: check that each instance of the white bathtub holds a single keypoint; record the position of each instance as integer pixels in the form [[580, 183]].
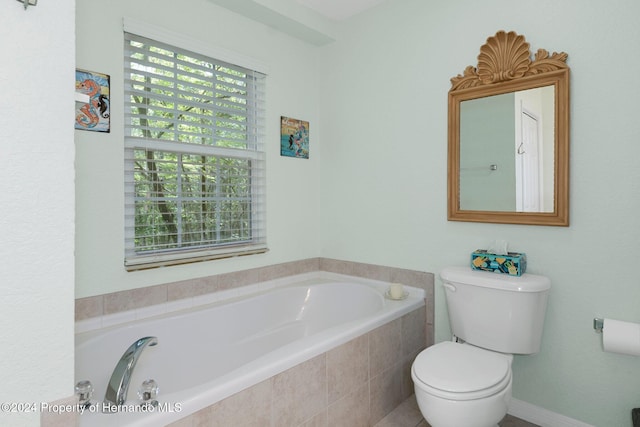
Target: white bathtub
[[206, 353]]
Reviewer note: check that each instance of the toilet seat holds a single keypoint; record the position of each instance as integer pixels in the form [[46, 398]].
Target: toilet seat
[[461, 372]]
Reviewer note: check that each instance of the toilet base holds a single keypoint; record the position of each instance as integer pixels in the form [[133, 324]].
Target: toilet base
[[487, 412]]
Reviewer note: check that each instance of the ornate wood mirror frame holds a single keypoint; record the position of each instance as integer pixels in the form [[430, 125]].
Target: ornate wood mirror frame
[[505, 66]]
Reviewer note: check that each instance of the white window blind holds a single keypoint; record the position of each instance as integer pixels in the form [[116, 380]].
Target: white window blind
[[194, 156]]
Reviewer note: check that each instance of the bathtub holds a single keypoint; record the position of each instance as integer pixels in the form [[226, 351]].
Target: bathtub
[[231, 340]]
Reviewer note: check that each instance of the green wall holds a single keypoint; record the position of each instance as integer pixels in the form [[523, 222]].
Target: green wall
[[384, 115]]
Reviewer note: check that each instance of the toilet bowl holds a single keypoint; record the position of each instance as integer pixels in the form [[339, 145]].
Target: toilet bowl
[[461, 385]]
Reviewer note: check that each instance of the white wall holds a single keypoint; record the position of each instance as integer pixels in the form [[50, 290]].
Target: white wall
[[292, 90], [37, 219], [384, 117]]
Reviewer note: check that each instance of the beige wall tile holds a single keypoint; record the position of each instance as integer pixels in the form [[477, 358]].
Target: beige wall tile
[[202, 418], [192, 288], [347, 367], [358, 269], [352, 410], [386, 392], [334, 265], [407, 414], [238, 278], [372, 271], [407, 382], [319, 420], [413, 331], [136, 298], [54, 417], [300, 392], [385, 347], [411, 277], [272, 272], [276, 271], [248, 408], [89, 307], [185, 422]]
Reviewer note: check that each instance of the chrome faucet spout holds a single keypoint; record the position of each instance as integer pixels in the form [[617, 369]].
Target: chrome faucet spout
[[118, 386]]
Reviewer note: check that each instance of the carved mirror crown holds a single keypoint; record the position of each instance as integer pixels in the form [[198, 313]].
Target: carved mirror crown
[[505, 66], [506, 57]]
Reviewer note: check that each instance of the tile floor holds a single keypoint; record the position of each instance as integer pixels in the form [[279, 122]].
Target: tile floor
[[407, 414]]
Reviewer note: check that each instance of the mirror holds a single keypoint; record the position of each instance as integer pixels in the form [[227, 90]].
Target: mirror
[[509, 136]]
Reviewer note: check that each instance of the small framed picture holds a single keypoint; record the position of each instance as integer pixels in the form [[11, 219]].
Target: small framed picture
[[294, 138], [92, 101]]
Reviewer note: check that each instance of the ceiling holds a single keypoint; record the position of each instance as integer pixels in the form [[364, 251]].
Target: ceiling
[[339, 9]]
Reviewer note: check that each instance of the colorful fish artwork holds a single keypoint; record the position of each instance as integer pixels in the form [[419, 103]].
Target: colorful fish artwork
[[95, 114]]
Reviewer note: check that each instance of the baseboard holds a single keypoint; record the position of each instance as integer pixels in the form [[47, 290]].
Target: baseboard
[[540, 416]]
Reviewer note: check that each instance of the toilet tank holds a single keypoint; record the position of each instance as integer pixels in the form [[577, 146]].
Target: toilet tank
[[496, 311]]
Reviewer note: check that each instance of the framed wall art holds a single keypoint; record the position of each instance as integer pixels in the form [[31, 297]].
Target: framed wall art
[[294, 138], [92, 101]]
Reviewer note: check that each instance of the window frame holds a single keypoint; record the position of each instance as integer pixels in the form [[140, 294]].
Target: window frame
[[254, 154]]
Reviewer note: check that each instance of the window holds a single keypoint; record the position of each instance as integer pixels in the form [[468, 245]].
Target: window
[[194, 158]]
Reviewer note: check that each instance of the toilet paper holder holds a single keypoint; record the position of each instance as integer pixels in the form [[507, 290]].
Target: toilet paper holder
[[598, 324]]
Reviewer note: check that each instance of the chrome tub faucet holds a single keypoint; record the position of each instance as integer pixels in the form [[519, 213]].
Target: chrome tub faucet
[[118, 385]]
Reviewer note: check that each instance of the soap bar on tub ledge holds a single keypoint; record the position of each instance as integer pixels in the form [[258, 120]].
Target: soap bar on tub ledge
[[513, 263]]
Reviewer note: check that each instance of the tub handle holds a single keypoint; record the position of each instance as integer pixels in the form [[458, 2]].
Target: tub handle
[[449, 287]]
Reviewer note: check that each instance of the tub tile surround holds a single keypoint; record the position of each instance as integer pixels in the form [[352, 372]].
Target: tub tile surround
[[59, 414], [175, 291], [355, 384], [176, 295]]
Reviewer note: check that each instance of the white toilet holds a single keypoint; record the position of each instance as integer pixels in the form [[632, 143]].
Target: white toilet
[[467, 382]]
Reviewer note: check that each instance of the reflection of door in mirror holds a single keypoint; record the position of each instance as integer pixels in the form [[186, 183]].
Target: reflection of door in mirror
[[534, 149], [528, 164], [506, 152]]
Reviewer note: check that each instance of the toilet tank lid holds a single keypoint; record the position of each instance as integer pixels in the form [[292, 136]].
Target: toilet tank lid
[[525, 283]]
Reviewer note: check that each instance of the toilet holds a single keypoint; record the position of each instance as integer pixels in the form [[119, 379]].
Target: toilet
[[467, 382]]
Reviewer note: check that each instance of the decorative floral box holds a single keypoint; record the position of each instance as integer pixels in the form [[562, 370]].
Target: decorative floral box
[[513, 264]]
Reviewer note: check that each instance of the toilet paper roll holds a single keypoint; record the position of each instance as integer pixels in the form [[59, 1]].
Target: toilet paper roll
[[621, 337]]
